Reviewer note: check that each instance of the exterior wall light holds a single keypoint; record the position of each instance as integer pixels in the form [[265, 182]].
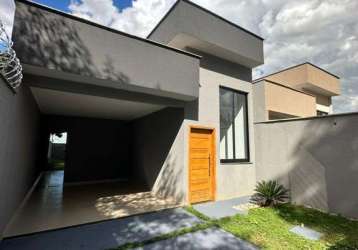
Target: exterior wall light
[[10, 67]]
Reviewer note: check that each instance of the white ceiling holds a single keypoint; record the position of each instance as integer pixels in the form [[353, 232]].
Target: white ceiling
[[70, 104]]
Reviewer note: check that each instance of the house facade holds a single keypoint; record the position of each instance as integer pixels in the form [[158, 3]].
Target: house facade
[[225, 101], [172, 113], [175, 114], [303, 90]]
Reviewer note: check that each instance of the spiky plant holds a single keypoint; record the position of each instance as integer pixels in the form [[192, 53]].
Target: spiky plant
[[269, 194]]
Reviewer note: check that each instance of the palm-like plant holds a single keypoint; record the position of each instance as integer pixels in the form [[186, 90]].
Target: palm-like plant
[[269, 194]]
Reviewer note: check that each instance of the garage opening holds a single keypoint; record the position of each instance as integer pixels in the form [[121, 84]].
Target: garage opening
[[57, 151], [56, 158], [110, 160]]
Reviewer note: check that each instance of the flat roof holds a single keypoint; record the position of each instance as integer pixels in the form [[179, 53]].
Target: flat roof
[[207, 11], [284, 86], [67, 15], [292, 67]]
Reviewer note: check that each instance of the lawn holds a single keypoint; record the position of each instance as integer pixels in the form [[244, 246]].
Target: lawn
[[268, 228], [56, 164]]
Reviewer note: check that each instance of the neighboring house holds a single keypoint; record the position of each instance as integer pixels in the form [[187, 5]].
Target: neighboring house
[[303, 90], [173, 113]]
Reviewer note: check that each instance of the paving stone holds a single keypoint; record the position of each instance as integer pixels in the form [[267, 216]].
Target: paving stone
[[306, 232], [209, 239], [220, 209]]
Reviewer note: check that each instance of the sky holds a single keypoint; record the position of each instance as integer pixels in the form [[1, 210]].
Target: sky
[[56, 139], [323, 32]]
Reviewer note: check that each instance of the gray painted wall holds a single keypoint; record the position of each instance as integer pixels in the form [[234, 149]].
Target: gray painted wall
[[316, 158], [19, 124], [153, 137], [233, 179], [260, 112], [68, 48], [97, 149], [224, 67], [231, 41]]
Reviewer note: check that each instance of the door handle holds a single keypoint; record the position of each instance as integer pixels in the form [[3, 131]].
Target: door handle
[[209, 164]]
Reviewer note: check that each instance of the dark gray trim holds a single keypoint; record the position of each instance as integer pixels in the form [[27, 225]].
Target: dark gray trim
[[163, 18], [237, 163], [234, 160], [45, 8], [207, 11], [247, 159], [309, 118], [292, 67]]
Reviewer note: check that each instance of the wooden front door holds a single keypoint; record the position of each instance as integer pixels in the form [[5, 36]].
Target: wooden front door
[[201, 165]]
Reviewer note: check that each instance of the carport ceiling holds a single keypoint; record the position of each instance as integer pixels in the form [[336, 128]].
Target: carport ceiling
[[72, 104]]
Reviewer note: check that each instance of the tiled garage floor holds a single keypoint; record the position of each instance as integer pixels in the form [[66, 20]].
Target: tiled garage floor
[[53, 206]]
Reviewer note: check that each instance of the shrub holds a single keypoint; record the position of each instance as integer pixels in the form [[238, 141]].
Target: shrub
[[269, 194]]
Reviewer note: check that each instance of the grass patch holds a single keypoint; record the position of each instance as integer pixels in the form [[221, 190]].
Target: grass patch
[[201, 216], [269, 228]]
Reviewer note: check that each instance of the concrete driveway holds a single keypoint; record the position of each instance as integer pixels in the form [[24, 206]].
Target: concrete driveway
[[116, 232], [107, 234], [211, 238]]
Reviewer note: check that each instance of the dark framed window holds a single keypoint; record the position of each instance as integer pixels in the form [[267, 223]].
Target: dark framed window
[[234, 134]]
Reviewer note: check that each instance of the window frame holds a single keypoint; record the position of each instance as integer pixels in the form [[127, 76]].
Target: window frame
[[247, 158]]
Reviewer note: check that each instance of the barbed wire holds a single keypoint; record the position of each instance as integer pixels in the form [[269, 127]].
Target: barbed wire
[[10, 67]]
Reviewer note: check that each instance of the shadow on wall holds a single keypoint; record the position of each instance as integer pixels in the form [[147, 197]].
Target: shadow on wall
[[170, 179], [19, 141], [316, 158], [222, 66], [325, 165], [48, 40], [157, 159]]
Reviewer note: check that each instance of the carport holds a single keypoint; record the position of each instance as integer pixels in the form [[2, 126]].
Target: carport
[[105, 175], [120, 99]]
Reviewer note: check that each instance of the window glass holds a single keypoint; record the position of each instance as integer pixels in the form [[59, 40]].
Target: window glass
[[233, 126]]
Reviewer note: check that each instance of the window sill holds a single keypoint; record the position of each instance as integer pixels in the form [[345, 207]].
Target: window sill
[[236, 163]]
